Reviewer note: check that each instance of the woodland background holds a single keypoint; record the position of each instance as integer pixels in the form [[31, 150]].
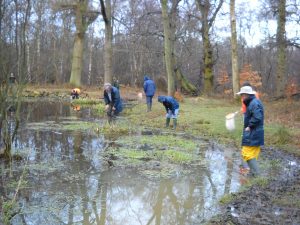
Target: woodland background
[[47, 41]]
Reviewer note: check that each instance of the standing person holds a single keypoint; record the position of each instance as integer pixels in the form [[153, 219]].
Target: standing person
[[149, 89], [172, 108], [12, 79], [113, 102], [244, 168], [253, 132]]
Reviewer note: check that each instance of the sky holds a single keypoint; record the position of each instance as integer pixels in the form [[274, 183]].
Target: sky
[[247, 25], [255, 32]]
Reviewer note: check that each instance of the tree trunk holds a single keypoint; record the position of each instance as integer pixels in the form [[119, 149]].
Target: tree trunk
[[168, 47], [107, 17], [234, 55], [91, 46], [75, 78], [207, 61], [208, 16], [39, 25], [108, 53], [184, 83], [281, 49], [81, 27]]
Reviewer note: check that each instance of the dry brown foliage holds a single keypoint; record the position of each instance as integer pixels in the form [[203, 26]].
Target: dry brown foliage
[[178, 96], [253, 77], [224, 81], [223, 77], [291, 89]]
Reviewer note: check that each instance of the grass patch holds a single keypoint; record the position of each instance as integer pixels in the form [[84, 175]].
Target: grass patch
[[134, 154], [282, 136], [99, 108], [114, 131], [85, 101], [259, 181], [165, 142], [178, 157], [73, 125], [171, 156], [226, 199], [206, 117], [9, 210]]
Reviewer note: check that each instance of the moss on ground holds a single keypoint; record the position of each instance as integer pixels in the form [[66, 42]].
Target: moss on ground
[[206, 117]]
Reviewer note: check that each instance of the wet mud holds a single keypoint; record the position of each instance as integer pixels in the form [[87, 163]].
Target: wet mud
[[276, 203]]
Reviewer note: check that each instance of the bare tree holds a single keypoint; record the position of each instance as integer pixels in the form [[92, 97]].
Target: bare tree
[[107, 17], [207, 17], [234, 48], [281, 49], [83, 18], [169, 43]]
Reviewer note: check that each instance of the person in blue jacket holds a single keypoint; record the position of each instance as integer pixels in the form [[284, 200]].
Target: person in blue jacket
[[253, 132], [113, 102], [172, 108], [149, 89]]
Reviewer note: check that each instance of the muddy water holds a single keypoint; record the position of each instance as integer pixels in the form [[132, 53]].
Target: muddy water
[[67, 181]]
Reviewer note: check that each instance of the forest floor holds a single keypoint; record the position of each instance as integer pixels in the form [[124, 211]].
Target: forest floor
[[273, 202]]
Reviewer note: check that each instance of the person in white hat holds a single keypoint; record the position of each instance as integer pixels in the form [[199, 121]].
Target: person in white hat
[[244, 168], [253, 132]]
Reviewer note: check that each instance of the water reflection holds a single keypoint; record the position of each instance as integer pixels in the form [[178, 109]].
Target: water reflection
[[68, 183]]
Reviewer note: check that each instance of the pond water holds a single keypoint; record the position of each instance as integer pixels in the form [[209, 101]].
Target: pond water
[[68, 182]]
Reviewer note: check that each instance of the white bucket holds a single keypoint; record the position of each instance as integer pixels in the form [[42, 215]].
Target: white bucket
[[230, 122], [140, 97]]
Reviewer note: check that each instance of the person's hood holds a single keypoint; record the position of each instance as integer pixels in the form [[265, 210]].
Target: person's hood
[[161, 98], [146, 78]]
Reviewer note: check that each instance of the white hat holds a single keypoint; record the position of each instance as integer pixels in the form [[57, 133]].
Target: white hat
[[107, 85], [246, 90]]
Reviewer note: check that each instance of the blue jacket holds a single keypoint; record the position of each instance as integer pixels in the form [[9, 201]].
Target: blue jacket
[[115, 99], [149, 86], [169, 102], [254, 118]]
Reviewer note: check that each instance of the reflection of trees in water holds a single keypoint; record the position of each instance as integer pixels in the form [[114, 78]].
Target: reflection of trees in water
[[69, 151], [44, 110], [169, 204], [185, 207], [230, 171], [95, 196], [195, 200]]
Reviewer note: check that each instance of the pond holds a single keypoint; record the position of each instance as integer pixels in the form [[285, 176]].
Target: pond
[[68, 181]]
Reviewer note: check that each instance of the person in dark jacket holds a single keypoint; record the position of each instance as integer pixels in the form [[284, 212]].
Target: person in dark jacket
[[172, 108], [12, 79], [149, 89], [113, 102], [253, 132], [75, 93]]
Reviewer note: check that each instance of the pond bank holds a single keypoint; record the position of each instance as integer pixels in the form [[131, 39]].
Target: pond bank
[[274, 202], [262, 203]]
